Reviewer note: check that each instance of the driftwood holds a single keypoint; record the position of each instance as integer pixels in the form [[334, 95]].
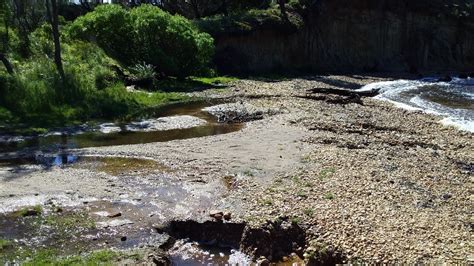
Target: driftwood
[[345, 92], [354, 98], [350, 96]]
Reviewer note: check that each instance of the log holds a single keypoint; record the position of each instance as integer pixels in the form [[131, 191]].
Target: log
[[353, 98], [345, 92]]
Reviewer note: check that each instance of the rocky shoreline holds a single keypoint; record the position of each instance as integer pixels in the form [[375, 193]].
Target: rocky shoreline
[[346, 181]]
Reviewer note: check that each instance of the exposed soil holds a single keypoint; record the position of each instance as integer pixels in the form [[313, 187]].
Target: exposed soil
[[338, 180]]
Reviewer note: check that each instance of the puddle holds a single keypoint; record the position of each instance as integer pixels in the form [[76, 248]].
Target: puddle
[[55, 142], [110, 165], [121, 165], [193, 253]]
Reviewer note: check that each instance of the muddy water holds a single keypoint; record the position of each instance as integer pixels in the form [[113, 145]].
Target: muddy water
[[56, 143]]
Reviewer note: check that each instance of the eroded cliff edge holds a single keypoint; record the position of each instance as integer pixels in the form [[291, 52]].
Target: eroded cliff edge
[[366, 35]]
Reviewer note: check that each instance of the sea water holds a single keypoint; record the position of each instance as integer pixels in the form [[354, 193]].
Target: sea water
[[453, 100]]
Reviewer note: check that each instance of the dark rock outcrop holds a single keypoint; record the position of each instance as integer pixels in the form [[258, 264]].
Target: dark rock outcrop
[[362, 35], [274, 240], [215, 233]]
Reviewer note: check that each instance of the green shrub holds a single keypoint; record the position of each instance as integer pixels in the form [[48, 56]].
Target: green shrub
[[142, 71], [110, 27], [35, 94], [31, 88], [4, 244], [172, 44], [111, 102]]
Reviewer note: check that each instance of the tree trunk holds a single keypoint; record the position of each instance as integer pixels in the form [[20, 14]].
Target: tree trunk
[[224, 8], [85, 5], [6, 39], [6, 63], [283, 9], [23, 28], [195, 7], [53, 17], [345, 92]]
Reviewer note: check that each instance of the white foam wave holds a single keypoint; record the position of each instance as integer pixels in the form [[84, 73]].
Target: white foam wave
[[406, 94], [461, 124]]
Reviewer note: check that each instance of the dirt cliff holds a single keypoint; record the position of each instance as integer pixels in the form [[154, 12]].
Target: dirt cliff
[[363, 35]]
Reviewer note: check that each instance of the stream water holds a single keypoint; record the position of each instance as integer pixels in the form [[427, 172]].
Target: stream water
[[52, 147], [452, 100], [52, 150]]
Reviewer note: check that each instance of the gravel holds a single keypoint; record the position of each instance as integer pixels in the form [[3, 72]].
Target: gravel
[[166, 123], [375, 182], [378, 183]]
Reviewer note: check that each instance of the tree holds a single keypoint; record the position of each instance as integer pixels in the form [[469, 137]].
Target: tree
[[28, 15], [147, 34], [53, 18], [5, 16], [224, 8], [6, 63], [282, 5]]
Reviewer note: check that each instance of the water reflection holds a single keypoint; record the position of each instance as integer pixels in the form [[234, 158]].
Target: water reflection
[[55, 143]]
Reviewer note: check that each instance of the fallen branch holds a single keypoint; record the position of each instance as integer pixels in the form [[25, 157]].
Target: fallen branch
[[345, 92], [353, 98]]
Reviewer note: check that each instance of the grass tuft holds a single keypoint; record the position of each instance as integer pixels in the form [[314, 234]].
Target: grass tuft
[[329, 196]]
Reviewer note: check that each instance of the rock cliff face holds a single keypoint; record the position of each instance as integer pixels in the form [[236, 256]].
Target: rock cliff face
[[360, 35]]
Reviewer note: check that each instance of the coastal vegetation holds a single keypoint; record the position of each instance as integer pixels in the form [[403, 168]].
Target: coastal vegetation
[[58, 72], [65, 63]]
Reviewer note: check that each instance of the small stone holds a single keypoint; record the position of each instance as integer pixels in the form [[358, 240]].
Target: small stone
[[447, 196], [114, 223], [227, 216], [262, 261], [114, 214], [160, 228], [216, 214], [285, 259]]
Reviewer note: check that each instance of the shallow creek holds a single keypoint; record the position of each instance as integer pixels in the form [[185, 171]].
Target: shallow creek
[[51, 149], [69, 229]]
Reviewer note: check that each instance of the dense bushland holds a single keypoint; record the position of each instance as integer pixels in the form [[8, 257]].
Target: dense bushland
[[111, 46], [146, 34], [92, 89], [127, 45]]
